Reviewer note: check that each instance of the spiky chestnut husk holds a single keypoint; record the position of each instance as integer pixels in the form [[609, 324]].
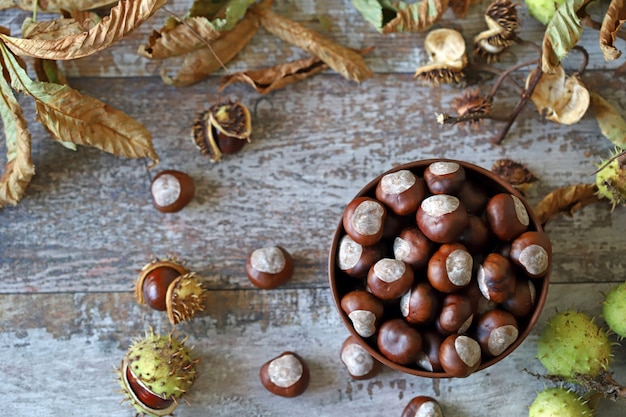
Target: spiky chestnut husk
[[559, 402], [185, 298], [611, 182], [614, 309], [155, 373], [543, 10], [571, 344]]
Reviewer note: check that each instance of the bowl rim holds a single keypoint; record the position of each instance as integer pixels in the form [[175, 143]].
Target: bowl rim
[[542, 289]]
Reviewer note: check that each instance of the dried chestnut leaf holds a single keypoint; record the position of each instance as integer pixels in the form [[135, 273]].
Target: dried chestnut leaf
[[345, 61], [562, 34], [124, 18], [56, 6], [566, 200], [388, 17], [514, 173], [611, 123], [279, 76], [460, 7], [19, 168], [613, 20], [48, 71]]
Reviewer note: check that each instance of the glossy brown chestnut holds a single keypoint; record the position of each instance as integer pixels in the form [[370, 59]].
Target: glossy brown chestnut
[[450, 268], [532, 252], [154, 281], [480, 304], [507, 216], [445, 177], [422, 406], [421, 304], [389, 279], [495, 331], [442, 218], [364, 310], [401, 191], [474, 197], [364, 220], [171, 191], [146, 397], [456, 314], [399, 342], [476, 236], [413, 247], [358, 361], [286, 375], [460, 355], [429, 358], [496, 278], [522, 302], [269, 267], [355, 259]]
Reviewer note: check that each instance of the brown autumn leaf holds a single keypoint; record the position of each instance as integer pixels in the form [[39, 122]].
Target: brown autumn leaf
[[51, 30], [196, 65], [19, 168], [56, 6], [345, 61], [611, 24], [269, 79], [48, 71], [72, 117], [566, 200], [124, 18], [417, 17]]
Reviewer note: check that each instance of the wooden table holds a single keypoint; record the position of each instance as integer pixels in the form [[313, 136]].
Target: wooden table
[[71, 249]]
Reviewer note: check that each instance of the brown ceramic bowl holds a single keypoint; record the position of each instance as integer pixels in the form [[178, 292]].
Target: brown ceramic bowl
[[341, 283]]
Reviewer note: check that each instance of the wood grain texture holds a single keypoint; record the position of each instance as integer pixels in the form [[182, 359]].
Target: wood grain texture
[[58, 351]]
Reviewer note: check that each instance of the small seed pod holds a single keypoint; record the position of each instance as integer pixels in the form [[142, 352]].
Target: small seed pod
[[446, 50], [171, 191], [166, 285], [269, 267], [422, 406], [358, 362], [502, 21], [473, 106], [286, 375], [223, 129], [155, 373], [611, 181]]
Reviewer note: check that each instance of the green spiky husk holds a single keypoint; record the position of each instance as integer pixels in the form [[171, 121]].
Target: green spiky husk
[[185, 298], [614, 309], [572, 344], [559, 402], [611, 182]]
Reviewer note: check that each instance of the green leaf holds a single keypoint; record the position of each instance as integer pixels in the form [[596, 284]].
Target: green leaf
[[388, 17], [562, 34], [611, 123], [378, 13]]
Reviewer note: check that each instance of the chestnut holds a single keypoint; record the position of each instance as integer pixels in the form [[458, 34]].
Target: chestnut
[[460, 355], [154, 281], [413, 247], [269, 267], [522, 302], [286, 375], [507, 216], [389, 279], [450, 268], [456, 314], [364, 220], [532, 252], [422, 406], [429, 357], [171, 191], [401, 191], [442, 218], [355, 259], [476, 236], [444, 177], [480, 304], [364, 311], [496, 278], [420, 305], [473, 196], [495, 331], [358, 361], [399, 342]]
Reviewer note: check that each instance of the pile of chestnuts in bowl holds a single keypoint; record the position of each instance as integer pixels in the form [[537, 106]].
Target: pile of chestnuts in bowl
[[439, 268]]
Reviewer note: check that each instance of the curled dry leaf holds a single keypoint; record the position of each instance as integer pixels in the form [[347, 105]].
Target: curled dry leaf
[[611, 24], [124, 18], [72, 117], [560, 98], [203, 26], [611, 123], [562, 34], [388, 17], [56, 6], [19, 168], [279, 76], [566, 200], [515, 173], [198, 64], [345, 61]]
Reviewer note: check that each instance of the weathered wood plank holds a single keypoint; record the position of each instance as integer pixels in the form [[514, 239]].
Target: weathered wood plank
[[87, 223], [57, 352]]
